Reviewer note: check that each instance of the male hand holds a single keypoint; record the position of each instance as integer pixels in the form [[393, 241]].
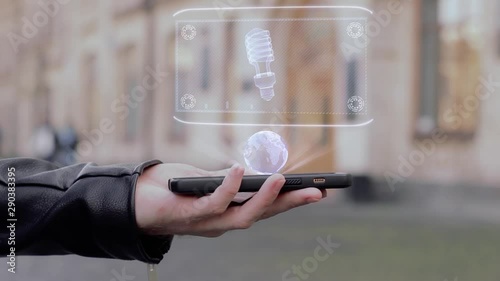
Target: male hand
[[161, 212]]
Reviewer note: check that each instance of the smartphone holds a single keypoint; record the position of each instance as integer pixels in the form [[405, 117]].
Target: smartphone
[[206, 185]]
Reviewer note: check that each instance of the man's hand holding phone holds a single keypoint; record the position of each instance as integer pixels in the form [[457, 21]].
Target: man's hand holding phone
[[161, 212]]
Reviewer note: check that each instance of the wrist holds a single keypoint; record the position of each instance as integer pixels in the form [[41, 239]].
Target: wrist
[[142, 194]]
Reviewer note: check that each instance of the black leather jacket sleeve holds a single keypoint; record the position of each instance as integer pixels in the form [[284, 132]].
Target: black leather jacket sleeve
[[82, 209]]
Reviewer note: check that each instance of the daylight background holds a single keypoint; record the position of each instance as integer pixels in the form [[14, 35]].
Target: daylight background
[[426, 203]]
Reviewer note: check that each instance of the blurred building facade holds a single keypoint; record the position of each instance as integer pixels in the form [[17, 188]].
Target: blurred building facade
[[426, 66], [434, 62]]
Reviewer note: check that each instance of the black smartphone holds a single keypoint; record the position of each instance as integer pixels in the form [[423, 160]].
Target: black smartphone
[[206, 185]]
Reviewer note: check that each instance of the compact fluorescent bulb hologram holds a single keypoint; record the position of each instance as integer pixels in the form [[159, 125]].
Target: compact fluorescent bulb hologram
[[260, 50]]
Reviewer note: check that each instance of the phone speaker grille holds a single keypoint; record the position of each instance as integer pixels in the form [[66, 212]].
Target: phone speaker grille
[[293, 182]]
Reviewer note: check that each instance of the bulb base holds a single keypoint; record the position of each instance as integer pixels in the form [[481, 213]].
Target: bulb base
[[267, 94], [265, 82]]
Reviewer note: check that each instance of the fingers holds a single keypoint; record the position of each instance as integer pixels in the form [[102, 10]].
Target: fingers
[[249, 172], [225, 172], [217, 218], [220, 173], [294, 199], [324, 193], [244, 216], [218, 202], [265, 197], [226, 192]]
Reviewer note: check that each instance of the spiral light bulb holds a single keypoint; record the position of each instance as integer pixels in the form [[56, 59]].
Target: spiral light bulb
[[260, 51]]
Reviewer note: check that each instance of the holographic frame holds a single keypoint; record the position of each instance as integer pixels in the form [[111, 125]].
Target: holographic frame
[[190, 122]]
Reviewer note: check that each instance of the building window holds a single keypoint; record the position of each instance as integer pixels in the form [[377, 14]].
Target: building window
[[205, 69], [128, 80], [449, 68]]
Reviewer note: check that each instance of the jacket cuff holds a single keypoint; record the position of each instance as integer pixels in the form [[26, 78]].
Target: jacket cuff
[[151, 248]]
